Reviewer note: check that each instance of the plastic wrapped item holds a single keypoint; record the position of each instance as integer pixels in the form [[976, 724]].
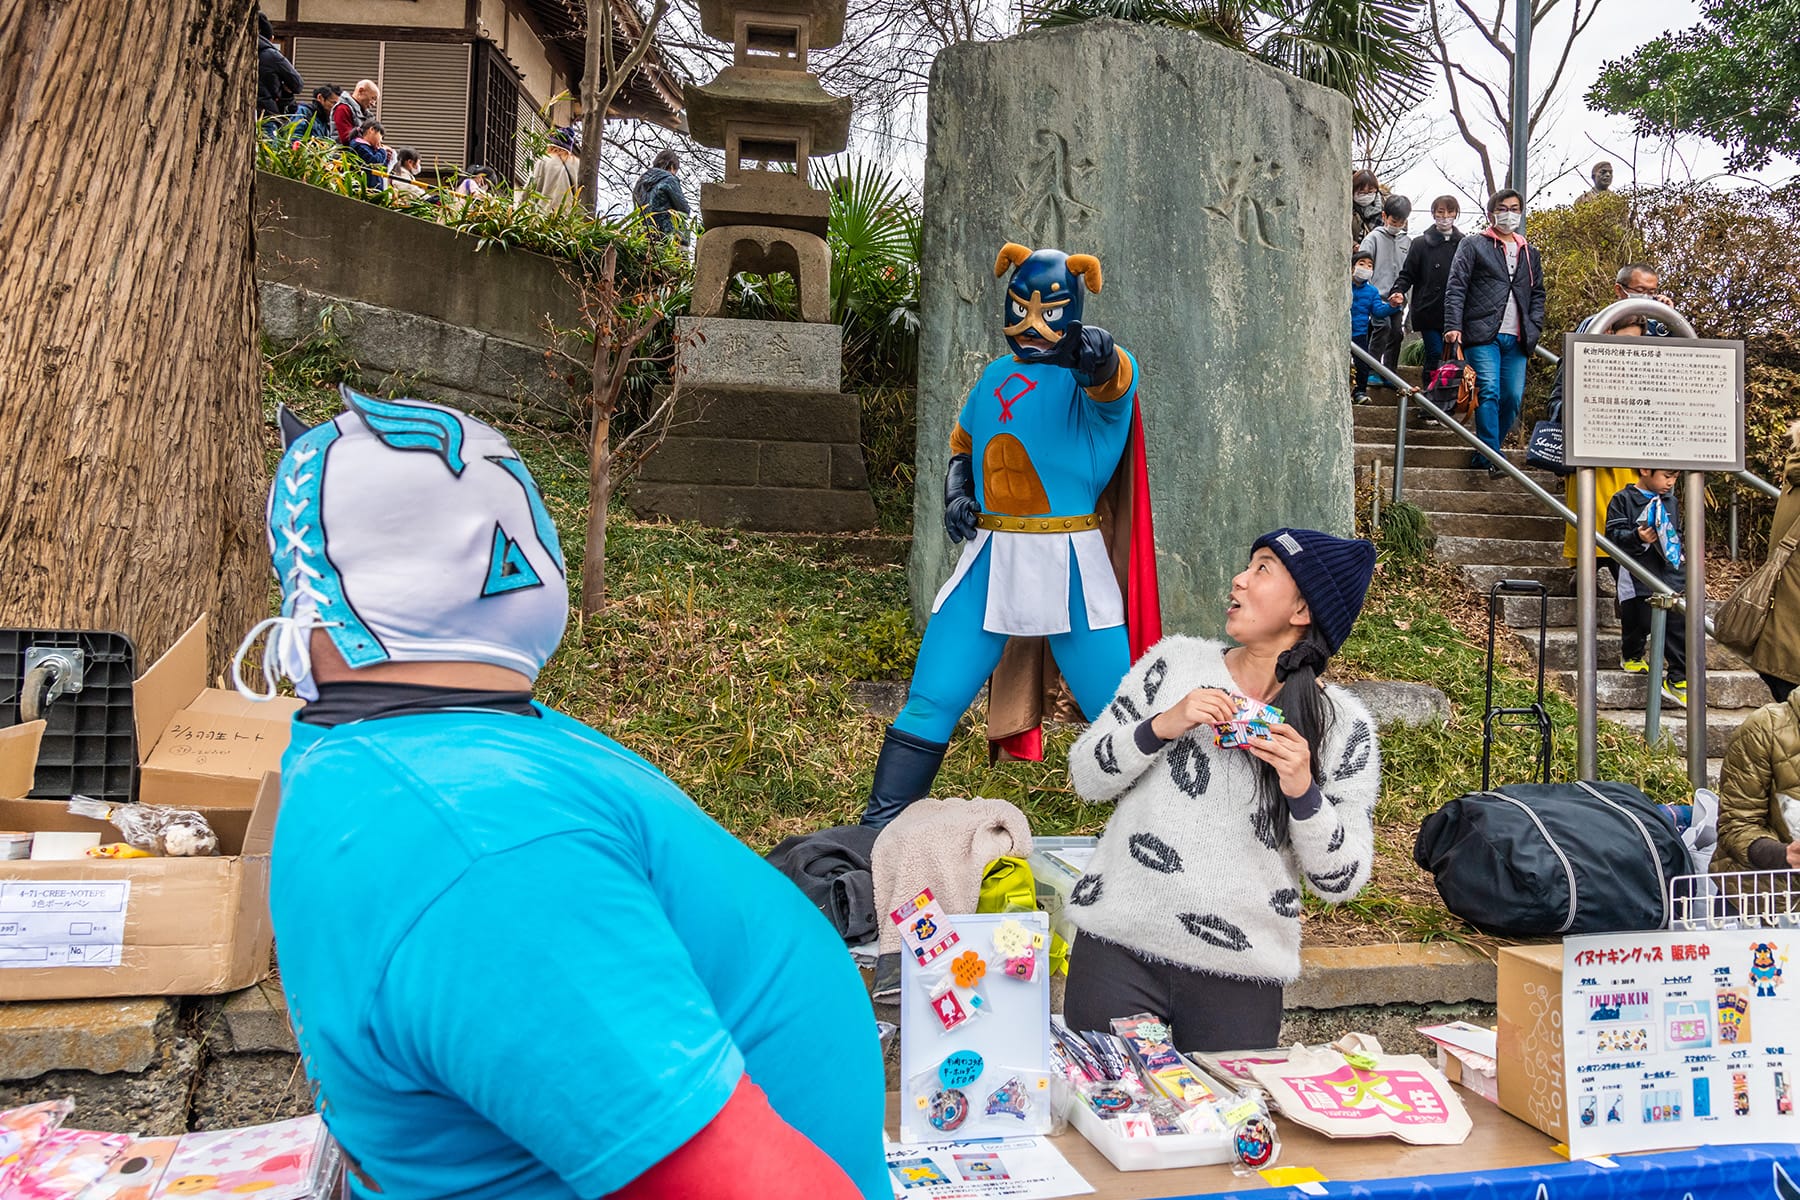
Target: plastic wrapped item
[[954, 1005], [66, 1164], [1255, 1143], [1147, 1107], [174, 832], [970, 1098], [1148, 1040], [22, 1130], [1251, 720]]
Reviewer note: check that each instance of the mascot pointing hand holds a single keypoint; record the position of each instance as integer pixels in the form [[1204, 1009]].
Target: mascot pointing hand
[[1048, 493]]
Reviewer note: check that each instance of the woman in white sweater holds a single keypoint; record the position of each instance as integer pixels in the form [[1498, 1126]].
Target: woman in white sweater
[[1190, 908]]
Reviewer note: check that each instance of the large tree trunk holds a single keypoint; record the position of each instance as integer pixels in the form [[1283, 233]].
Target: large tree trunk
[[130, 415]]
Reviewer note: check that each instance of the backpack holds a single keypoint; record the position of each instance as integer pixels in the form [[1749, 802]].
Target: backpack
[[1549, 859]]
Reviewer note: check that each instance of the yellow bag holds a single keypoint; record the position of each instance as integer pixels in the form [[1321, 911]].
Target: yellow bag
[[1007, 885]]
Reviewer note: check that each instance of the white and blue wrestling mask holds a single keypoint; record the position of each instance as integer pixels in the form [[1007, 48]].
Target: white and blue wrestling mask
[[408, 532]]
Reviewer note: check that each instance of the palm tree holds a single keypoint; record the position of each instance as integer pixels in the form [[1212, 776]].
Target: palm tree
[[874, 237], [1373, 51]]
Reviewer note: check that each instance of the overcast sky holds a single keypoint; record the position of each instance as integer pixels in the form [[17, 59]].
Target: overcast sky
[[1619, 27]]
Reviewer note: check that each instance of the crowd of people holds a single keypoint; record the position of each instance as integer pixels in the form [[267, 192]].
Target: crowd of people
[[289, 113]]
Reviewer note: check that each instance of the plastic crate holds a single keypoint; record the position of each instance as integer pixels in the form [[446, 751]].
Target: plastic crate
[[1055, 876], [90, 737]]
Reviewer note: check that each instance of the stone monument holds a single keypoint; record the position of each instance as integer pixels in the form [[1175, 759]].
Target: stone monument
[[763, 436], [1212, 188]]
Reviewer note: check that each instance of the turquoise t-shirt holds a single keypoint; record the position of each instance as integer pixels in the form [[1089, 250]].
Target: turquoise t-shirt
[[521, 962]]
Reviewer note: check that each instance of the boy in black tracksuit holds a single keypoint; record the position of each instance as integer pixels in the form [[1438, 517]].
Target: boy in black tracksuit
[[1629, 528]]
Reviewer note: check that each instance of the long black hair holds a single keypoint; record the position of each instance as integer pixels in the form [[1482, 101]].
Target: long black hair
[[1303, 705]]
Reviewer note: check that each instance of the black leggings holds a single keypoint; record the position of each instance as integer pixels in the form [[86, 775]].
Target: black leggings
[[1780, 688], [1206, 1012]]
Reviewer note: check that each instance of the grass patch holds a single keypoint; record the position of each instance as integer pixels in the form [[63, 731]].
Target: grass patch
[[728, 659]]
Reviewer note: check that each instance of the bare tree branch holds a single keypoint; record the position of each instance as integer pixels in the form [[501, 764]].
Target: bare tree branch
[[1493, 79], [1456, 108], [1492, 35]]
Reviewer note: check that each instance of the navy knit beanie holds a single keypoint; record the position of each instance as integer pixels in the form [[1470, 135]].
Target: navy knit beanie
[[1333, 575]]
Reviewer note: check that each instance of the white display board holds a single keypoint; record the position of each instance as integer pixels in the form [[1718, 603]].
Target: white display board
[[1011, 1035], [1653, 401], [1680, 1039]]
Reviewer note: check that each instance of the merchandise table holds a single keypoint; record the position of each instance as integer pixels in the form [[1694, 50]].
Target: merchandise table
[[1502, 1159]]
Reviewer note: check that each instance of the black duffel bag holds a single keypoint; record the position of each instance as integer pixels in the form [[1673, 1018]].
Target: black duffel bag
[[1547, 859]]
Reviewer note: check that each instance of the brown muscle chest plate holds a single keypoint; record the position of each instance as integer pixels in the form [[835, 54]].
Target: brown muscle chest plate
[[1009, 482]]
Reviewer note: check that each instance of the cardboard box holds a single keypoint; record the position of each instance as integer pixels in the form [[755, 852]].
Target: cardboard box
[[179, 926], [1467, 1055], [1532, 1087]]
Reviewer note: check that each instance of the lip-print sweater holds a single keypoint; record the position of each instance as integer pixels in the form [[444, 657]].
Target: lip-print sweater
[[1188, 870]]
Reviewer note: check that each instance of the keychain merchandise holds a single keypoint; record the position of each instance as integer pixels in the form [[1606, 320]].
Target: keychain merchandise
[[975, 1044], [1255, 1143], [1250, 721]]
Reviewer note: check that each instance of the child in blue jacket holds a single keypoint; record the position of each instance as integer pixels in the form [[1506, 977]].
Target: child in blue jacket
[[1366, 304]]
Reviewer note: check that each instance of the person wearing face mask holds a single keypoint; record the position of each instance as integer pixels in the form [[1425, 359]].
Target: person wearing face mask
[[423, 589], [1424, 274], [1389, 243], [1494, 309], [1366, 195], [1366, 307]]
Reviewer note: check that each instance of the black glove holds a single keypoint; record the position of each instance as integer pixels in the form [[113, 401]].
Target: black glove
[[1088, 351], [960, 509]]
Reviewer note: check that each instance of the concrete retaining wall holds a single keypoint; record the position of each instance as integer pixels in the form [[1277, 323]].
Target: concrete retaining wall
[[415, 304]]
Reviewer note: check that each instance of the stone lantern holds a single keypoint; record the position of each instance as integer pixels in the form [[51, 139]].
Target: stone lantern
[[763, 437], [769, 115]]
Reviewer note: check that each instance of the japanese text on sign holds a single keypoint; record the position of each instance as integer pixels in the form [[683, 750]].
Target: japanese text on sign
[[1665, 402], [62, 923]]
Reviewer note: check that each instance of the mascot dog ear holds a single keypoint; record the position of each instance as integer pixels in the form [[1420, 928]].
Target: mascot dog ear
[[1011, 255], [1088, 267], [292, 427]]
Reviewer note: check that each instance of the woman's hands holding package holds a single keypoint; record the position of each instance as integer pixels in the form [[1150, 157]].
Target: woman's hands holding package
[[1202, 706], [1288, 753]]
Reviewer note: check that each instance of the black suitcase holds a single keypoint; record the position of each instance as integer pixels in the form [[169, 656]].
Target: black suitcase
[[1548, 859]]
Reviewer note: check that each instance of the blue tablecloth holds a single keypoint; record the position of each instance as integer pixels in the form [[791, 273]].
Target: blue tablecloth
[[1760, 1172]]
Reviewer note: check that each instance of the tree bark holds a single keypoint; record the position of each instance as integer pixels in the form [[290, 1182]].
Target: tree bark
[[130, 410], [593, 557]]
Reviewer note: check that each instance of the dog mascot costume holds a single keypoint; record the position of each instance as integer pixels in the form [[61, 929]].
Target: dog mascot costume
[[1048, 489]]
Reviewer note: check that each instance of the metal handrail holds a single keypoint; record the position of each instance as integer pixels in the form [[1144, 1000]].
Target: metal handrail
[[1663, 597], [1590, 539], [1411, 394]]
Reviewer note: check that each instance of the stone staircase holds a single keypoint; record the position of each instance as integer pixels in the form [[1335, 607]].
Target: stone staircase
[[1493, 529]]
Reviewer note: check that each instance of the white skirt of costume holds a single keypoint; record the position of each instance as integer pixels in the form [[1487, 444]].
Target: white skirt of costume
[[1028, 581]]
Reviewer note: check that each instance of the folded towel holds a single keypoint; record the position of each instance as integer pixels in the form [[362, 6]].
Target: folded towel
[[944, 845]]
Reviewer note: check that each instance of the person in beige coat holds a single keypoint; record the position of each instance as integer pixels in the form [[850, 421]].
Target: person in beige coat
[[1759, 809], [1777, 654]]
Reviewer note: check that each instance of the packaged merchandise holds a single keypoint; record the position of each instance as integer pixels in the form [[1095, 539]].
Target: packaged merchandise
[[21, 1131], [65, 1165], [171, 832], [1251, 721], [975, 1047], [1146, 1107]]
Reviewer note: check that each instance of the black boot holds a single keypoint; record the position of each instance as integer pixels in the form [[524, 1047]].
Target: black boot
[[903, 773]]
